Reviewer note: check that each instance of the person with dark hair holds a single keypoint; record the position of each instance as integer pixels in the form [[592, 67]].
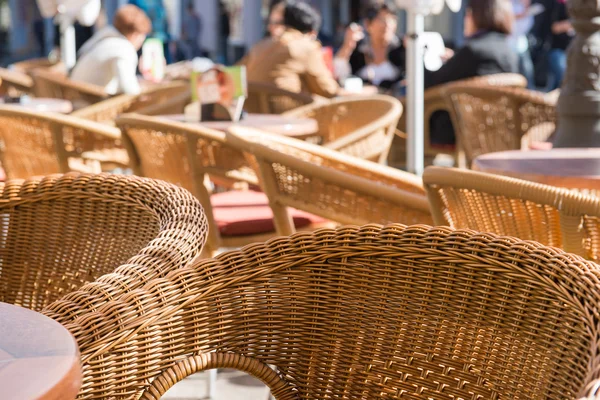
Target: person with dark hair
[[109, 59], [487, 26], [293, 61], [275, 24], [379, 57]]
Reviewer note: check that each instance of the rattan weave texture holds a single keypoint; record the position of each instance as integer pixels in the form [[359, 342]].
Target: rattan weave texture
[[507, 206], [359, 313], [81, 240], [38, 143], [489, 119]]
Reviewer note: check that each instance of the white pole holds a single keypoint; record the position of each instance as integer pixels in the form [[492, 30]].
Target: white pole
[[67, 42], [414, 69]]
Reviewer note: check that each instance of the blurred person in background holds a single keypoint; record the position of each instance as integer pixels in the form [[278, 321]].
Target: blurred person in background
[[191, 31], [487, 26], [157, 13], [293, 61], [110, 58], [562, 34], [519, 39], [376, 54]]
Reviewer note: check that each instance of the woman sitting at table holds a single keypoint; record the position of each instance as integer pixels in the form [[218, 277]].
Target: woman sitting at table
[[487, 26], [109, 59], [379, 57]]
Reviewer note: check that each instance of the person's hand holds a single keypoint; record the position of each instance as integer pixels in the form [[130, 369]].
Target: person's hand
[[448, 54], [354, 34]]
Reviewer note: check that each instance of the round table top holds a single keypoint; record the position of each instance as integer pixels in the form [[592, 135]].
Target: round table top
[[39, 358], [293, 127], [43, 104], [571, 168]]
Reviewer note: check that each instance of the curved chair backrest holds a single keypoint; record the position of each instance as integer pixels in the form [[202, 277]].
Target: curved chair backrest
[[107, 111], [62, 231], [184, 154], [434, 101], [330, 184], [360, 312], [15, 82], [37, 143], [490, 119], [54, 85], [507, 206], [267, 98], [359, 126], [30, 65]]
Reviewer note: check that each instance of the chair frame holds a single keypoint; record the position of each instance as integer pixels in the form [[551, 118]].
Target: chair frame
[[326, 306], [351, 173]]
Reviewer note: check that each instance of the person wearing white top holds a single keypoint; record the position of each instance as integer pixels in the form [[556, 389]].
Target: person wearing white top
[[524, 13], [109, 59]]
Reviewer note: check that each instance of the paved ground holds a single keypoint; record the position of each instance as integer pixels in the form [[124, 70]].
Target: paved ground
[[230, 385]]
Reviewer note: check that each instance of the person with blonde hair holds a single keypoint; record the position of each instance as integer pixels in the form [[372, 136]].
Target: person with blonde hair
[[110, 59]]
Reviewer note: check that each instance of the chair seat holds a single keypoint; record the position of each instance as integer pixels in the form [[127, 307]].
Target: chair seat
[[246, 212]]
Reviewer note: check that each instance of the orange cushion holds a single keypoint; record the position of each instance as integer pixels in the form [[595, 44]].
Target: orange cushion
[[246, 212]]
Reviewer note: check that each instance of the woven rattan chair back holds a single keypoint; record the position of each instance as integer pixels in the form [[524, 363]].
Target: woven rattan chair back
[[15, 83], [490, 119], [106, 111], [330, 184], [62, 231], [183, 154], [363, 313], [36, 143], [30, 65], [491, 203], [267, 98], [434, 101], [55, 85], [359, 126]]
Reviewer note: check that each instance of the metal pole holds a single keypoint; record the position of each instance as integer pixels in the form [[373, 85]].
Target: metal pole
[[67, 42], [414, 68]]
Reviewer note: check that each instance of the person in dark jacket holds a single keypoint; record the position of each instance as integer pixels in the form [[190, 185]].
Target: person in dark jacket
[[487, 26], [377, 57], [562, 34]]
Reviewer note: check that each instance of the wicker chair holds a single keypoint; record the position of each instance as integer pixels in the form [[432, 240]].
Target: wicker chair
[[54, 85], [434, 100], [359, 312], [27, 66], [327, 183], [267, 98], [62, 231], [107, 111], [15, 83], [490, 119], [37, 143], [492, 203], [359, 126], [187, 154]]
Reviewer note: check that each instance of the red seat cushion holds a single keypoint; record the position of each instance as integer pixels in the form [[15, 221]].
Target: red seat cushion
[[246, 212]]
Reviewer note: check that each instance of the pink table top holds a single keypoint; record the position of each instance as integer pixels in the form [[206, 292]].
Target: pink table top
[[572, 168], [43, 104], [293, 127], [39, 358]]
